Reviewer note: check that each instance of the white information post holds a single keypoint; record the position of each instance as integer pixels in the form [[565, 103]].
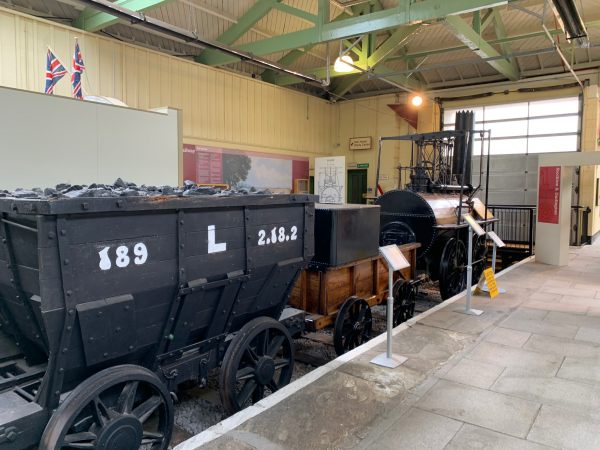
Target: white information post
[[395, 261], [473, 227], [497, 243]]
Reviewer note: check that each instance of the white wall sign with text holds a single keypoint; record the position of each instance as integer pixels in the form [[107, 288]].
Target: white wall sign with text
[[330, 176], [361, 143]]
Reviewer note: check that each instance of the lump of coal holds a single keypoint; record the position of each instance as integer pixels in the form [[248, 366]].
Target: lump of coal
[[119, 183], [121, 188]]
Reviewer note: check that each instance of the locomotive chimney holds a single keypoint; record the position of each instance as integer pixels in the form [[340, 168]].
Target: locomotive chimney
[[463, 150]]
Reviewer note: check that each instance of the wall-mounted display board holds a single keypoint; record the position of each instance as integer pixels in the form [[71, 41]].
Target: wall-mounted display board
[[549, 194], [330, 176], [243, 169]]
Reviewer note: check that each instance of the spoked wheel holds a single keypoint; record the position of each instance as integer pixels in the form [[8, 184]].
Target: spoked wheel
[[121, 408], [353, 325], [259, 359], [479, 257], [405, 294], [453, 268]]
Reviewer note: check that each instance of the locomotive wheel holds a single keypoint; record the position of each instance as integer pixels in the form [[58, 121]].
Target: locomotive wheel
[[353, 325], [260, 357], [479, 257], [120, 408], [405, 295], [453, 268]]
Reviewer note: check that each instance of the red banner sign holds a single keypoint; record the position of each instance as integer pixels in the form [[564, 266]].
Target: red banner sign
[[549, 194]]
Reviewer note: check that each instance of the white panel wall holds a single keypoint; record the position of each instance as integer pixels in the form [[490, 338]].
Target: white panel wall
[[220, 109], [513, 179], [45, 140]]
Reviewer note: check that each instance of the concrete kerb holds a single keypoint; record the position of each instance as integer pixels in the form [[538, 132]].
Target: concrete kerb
[[239, 418]]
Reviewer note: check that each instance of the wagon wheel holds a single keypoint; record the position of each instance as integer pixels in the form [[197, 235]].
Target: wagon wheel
[[353, 325], [260, 357], [479, 257], [120, 408], [405, 294], [453, 268]]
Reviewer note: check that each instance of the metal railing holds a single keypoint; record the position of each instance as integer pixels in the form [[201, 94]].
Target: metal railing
[[579, 225], [515, 226]]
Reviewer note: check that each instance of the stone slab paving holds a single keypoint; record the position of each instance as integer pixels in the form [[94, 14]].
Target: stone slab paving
[[524, 375]]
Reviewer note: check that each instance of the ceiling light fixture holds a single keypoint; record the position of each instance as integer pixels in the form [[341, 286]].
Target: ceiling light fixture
[[416, 100], [343, 64]]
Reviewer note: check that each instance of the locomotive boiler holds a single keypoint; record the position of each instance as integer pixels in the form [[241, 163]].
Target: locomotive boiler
[[434, 193]]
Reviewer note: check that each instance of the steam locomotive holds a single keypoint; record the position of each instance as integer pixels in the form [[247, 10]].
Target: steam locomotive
[[434, 193]]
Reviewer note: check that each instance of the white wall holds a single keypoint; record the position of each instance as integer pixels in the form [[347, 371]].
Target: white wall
[[45, 140], [220, 108]]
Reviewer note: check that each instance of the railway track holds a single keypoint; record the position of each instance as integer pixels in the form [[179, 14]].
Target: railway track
[[199, 409]]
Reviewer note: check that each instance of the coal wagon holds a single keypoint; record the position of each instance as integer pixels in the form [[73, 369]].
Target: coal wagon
[[347, 277], [107, 304]]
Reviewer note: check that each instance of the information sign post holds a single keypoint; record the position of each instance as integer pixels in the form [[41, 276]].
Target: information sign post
[[395, 261], [473, 227]]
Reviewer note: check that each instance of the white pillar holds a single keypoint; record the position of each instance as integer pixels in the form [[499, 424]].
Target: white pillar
[[552, 240]]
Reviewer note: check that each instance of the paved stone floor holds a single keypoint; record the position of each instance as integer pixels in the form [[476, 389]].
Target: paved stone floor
[[524, 375]]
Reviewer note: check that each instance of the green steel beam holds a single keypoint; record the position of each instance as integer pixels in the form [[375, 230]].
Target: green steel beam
[[259, 10], [321, 72], [500, 34], [404, 14], [323, 12], [391, 44], [397, 39], [305, 15], [403, 80], [92, 20], [477, 21], [294, 55], [412, 64], [481, 47], [286, 61], [349, 81], [486, 20], [514, 38], [346, 83]]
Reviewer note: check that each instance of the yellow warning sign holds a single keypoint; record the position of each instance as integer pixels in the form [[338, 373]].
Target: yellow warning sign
[[490, 280]]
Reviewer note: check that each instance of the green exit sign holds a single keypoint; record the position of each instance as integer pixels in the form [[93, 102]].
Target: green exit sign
[[362, 166]]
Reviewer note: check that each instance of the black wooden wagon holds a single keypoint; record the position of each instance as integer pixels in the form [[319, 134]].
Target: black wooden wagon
[[107, 304]]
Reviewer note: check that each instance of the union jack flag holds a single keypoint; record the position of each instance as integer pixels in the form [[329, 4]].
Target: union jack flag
[[78, 68], [54, 72]]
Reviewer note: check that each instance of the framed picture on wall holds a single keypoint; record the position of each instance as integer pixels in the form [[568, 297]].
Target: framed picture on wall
[[301, 186]]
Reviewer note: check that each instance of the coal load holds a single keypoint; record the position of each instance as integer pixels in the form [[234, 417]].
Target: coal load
[[122, 188]]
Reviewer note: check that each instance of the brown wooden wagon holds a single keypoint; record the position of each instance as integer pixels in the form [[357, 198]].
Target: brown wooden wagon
[[343, 296]]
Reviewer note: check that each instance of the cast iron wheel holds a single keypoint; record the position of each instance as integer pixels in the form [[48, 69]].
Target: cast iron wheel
[[260, 357], [405, 295], [479, 257], [120, 408], [353, 325], [453, 268]]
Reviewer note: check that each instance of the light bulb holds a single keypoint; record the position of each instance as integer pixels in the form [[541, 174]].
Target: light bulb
[[342, 64], [417, 100]]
